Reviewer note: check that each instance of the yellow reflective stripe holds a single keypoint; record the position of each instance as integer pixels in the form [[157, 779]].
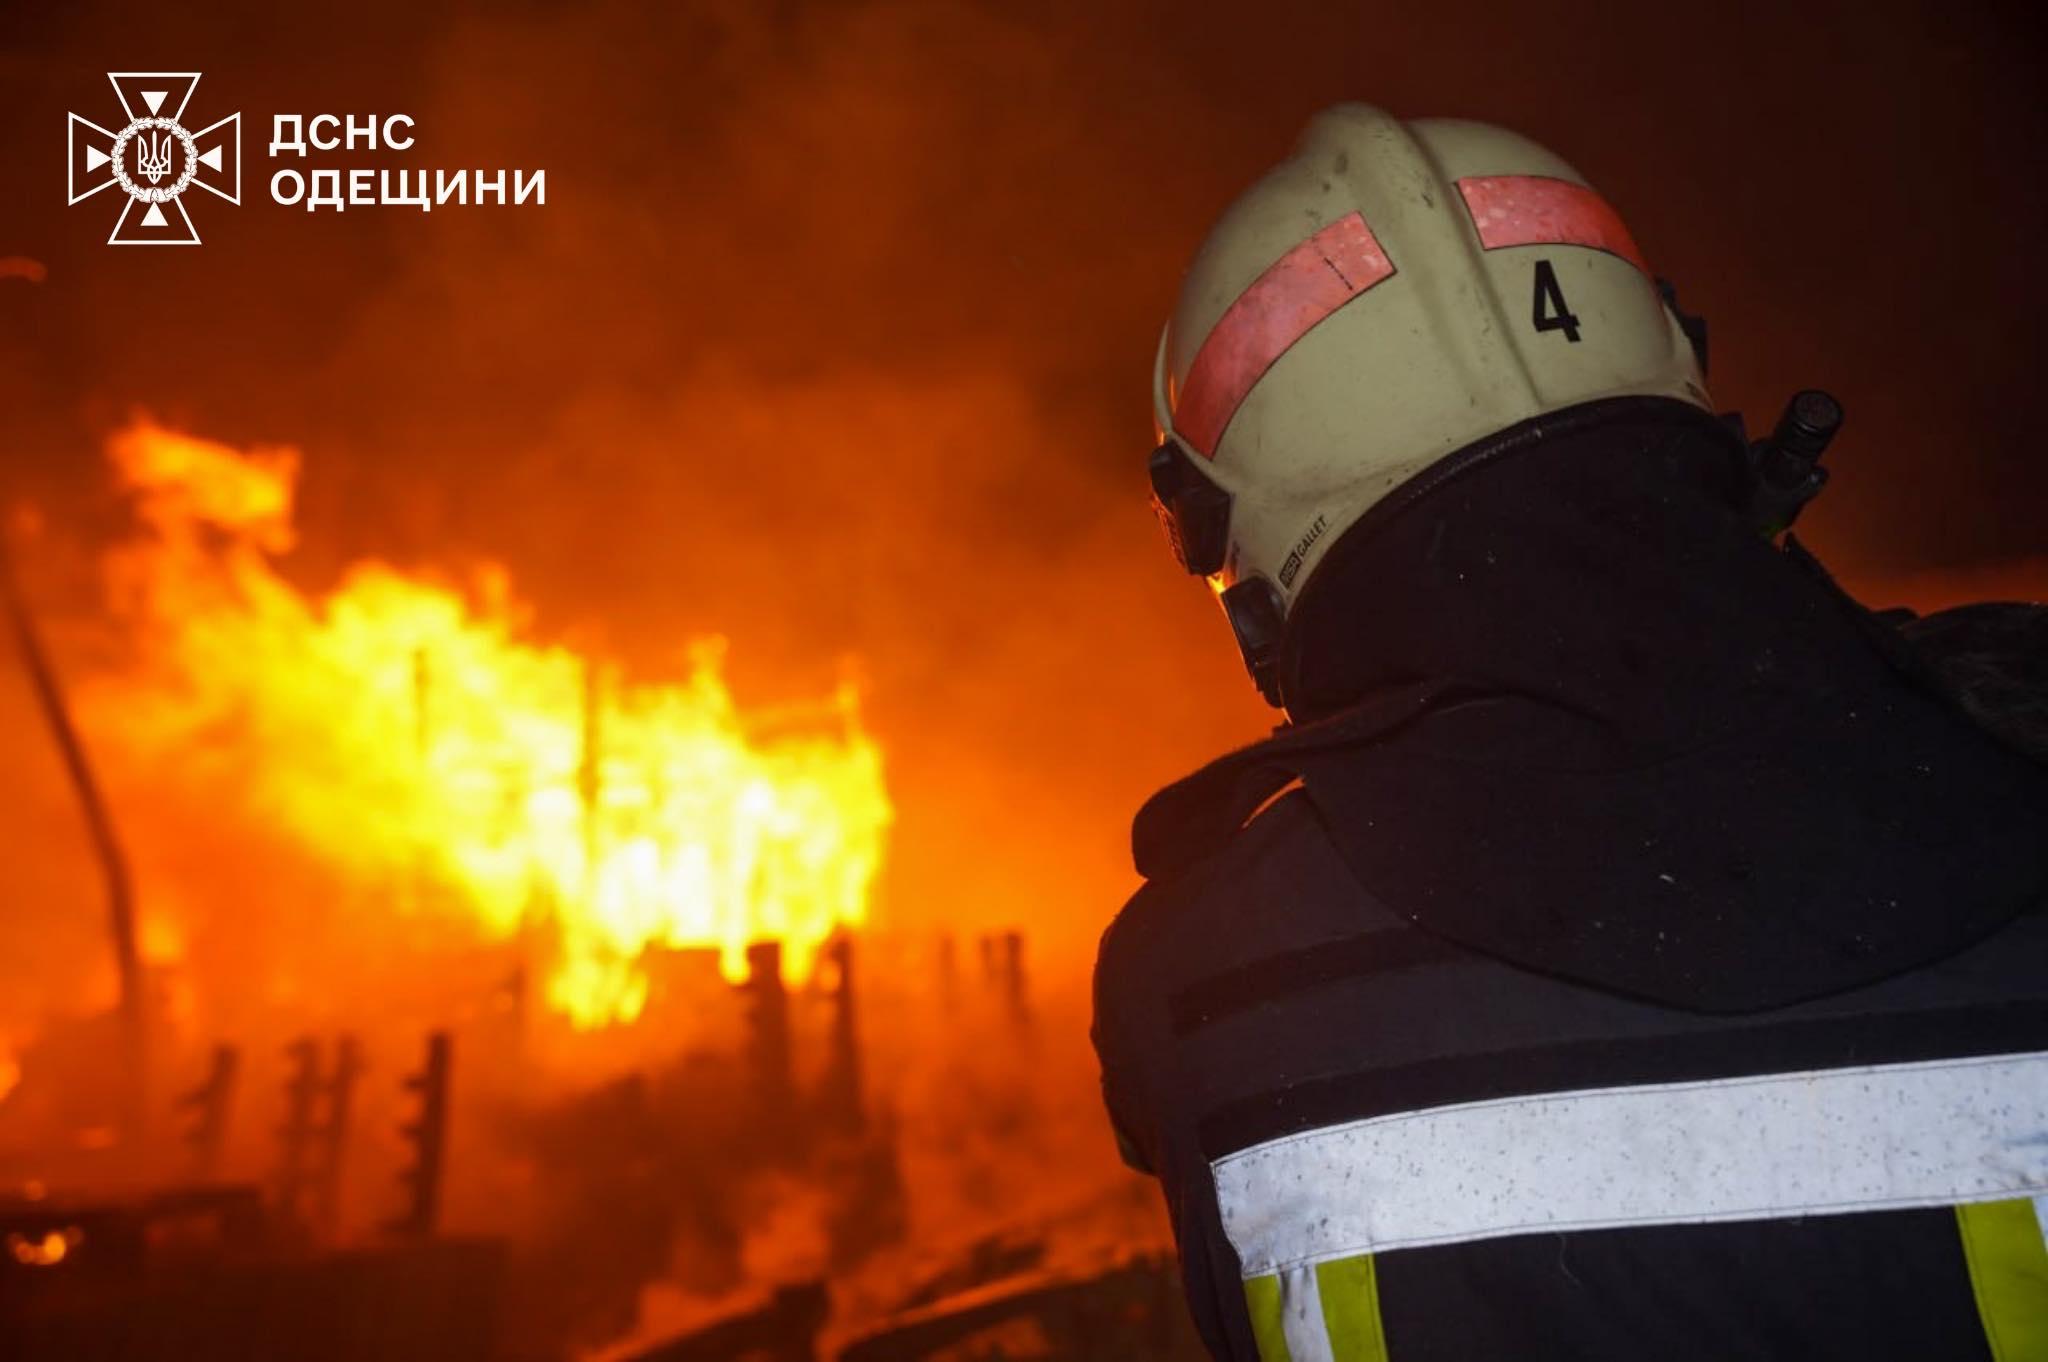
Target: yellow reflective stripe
[[2009, 1274], [1350, 1291], [1262, 1298]]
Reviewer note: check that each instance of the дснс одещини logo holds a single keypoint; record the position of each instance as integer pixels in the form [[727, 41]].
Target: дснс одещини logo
[[154, 159]]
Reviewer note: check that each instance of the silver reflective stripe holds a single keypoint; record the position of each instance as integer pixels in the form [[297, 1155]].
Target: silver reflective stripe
[[1817, 1143], [1301, 1316]]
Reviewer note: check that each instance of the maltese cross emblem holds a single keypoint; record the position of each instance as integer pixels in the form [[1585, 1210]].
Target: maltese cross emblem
[[154, 159]]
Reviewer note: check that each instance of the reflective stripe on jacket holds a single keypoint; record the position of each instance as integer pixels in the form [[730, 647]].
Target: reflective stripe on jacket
[[1375, 1143]]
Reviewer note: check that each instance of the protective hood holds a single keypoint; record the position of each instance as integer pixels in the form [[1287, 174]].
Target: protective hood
[[1582, 719]]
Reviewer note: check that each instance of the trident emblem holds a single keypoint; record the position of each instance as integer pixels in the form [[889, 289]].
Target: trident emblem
[[153, 155], [167, 158]]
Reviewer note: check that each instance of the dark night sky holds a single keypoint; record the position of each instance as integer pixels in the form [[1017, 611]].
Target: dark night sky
[[834, 334]]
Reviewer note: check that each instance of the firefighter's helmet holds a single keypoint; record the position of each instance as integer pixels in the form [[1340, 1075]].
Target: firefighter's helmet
[[1389, 294]]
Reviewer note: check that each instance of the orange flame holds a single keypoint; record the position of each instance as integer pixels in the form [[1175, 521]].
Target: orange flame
[[408, 733], [47, 1250]]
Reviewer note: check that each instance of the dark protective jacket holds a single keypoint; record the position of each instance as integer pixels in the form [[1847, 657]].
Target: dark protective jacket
[[1651, 964]]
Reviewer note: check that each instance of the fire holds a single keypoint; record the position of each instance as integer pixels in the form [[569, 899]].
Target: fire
[[410, 733], [46, 1250]]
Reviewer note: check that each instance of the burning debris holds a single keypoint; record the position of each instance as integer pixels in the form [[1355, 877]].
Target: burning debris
[[204, 1272], [692, 1063]]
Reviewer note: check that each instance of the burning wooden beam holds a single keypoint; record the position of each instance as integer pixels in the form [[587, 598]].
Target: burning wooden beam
[[210, 1104], [428, 1134], [295, 1136], [339, 1091], [106, 844], [841, 1099], [767, 1018]]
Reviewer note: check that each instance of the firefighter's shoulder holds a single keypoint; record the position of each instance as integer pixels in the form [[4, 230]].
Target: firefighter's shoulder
[[1991, 658], [1224, 868], [1199, 816], [1229, 925], [1246, 881]]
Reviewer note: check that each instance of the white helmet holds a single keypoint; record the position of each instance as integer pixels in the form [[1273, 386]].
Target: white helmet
[[1390, 294]]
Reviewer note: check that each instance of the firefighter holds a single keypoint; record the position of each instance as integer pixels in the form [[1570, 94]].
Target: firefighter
[[1631, 947]]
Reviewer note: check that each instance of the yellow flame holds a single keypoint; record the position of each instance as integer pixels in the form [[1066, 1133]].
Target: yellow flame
[[408, 732]]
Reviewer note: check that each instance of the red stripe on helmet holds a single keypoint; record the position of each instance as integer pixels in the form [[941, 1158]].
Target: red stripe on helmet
[[1298, 290], [1536, 210]]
